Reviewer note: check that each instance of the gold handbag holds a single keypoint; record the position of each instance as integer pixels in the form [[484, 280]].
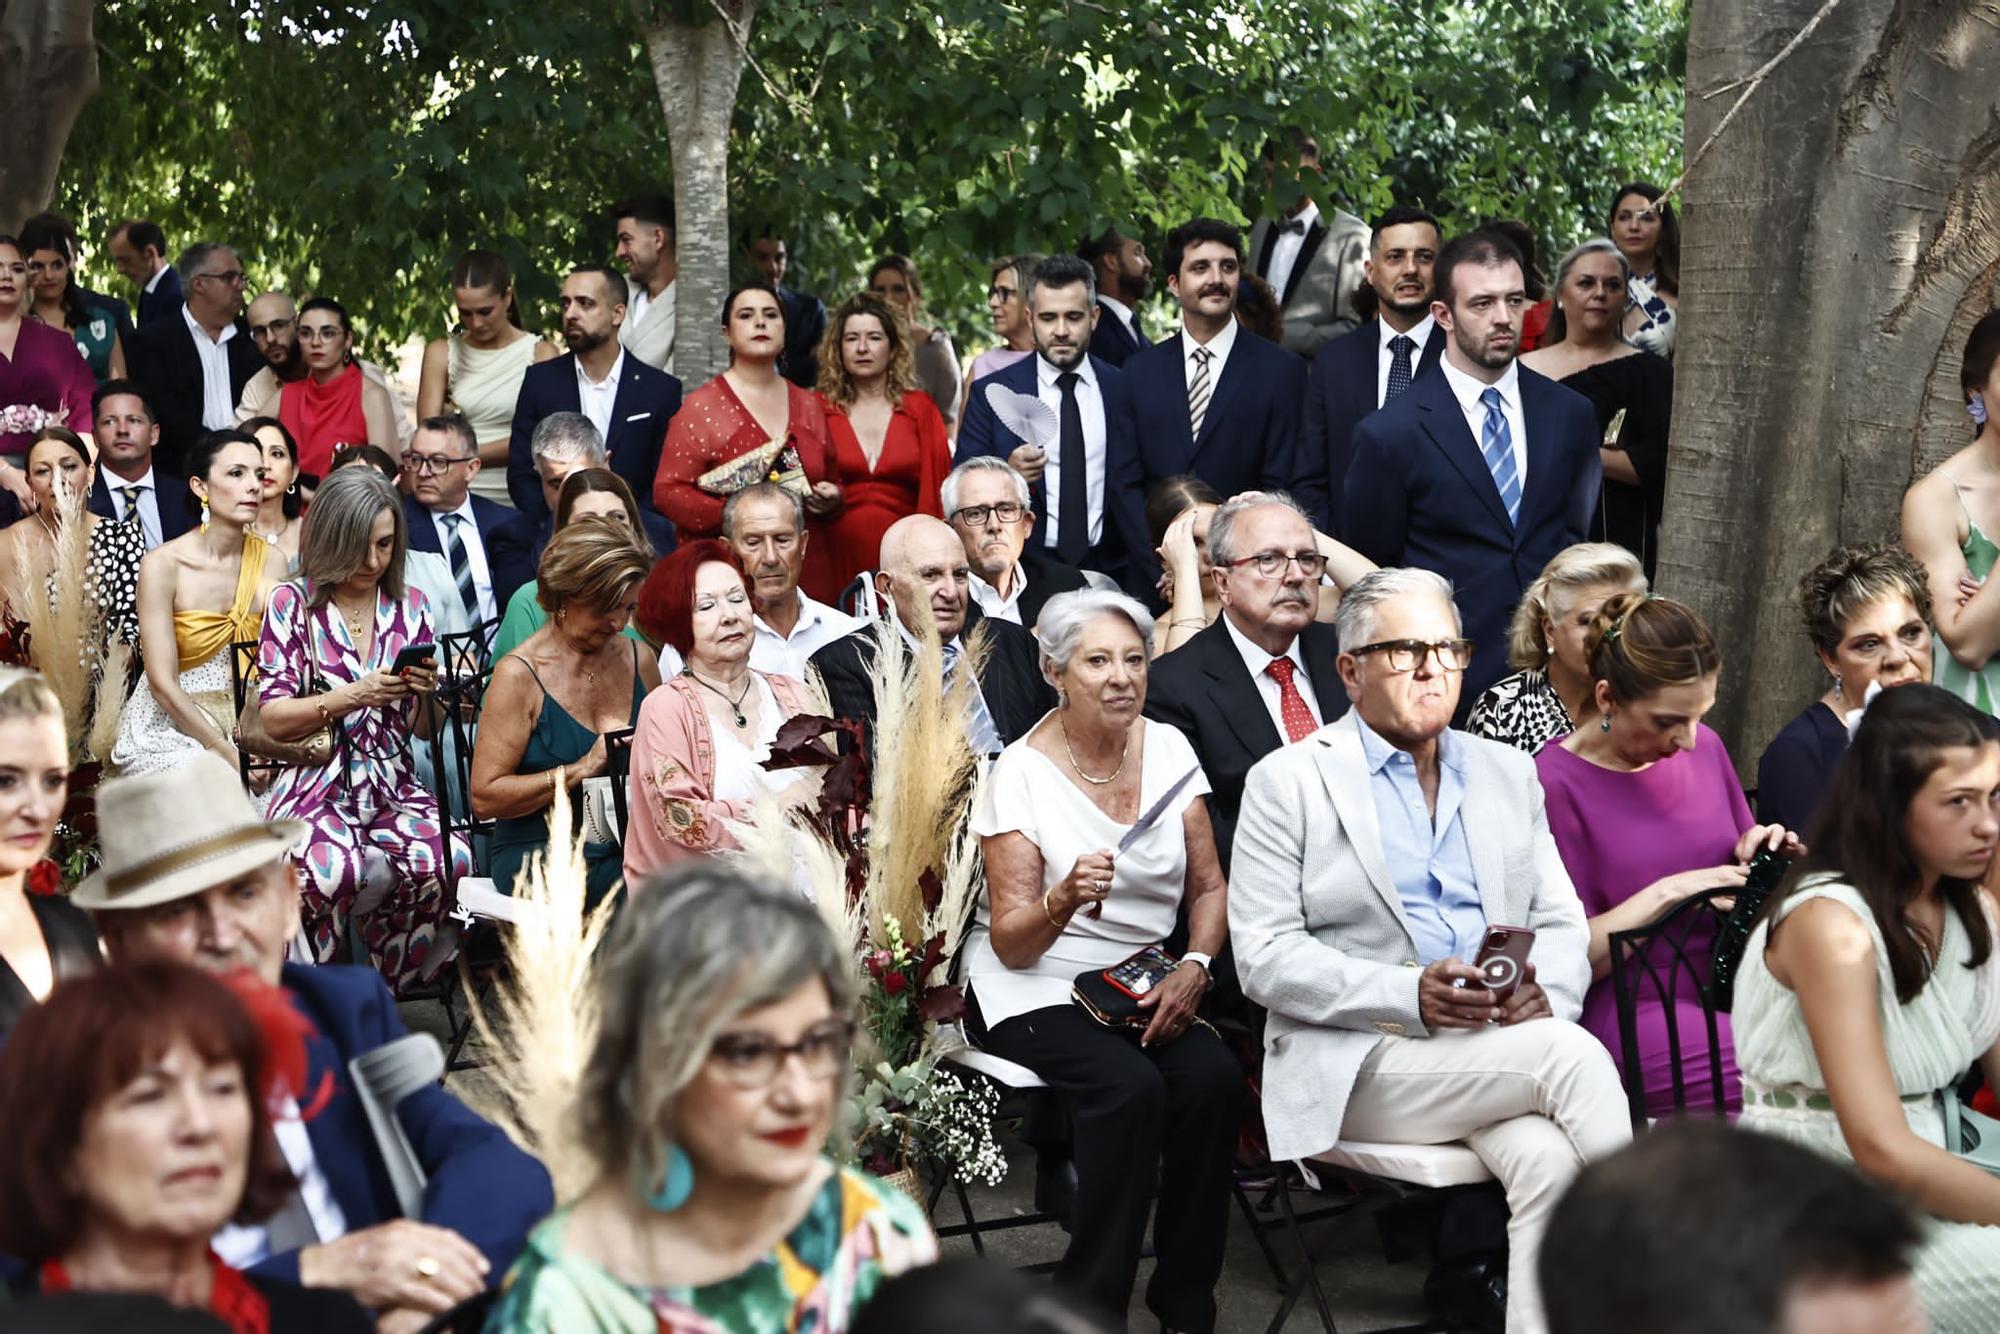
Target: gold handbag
[[776, 462]]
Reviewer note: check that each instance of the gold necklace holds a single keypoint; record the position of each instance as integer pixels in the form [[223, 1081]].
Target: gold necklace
[[357, 621], [1100, 782]]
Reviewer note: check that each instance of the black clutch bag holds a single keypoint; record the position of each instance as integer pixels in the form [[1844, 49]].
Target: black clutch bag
[[1111, 995]]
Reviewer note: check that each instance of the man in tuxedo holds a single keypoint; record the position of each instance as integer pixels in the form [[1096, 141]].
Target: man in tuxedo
[[193, 367], [923, 577], [1263, 675], [629, 402], [139, 252], [1215, 400], [1362, 371], [487, 545], [1312, 260], [1124, 277], [805, 315], [1482, 472], [646, 248], [765, 525], [990, 507], [274, 328], [129, 488], [227, 900], [1090, 507]]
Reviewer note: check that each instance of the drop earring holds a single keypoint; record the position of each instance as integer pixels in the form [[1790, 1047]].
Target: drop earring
[[676, 1183], [1605, 726], [204, 514], [293, 489], [1836, 687]]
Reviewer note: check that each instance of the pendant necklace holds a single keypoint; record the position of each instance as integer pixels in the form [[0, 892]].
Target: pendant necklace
[[735, 704]]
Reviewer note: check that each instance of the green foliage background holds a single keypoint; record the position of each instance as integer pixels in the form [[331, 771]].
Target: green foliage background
[[354, 149]]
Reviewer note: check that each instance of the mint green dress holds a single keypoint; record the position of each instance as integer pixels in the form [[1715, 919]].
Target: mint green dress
[[1931, 1041], [1980, 689]]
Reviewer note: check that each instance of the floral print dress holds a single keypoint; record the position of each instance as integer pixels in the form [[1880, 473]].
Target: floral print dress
[[366, 798]]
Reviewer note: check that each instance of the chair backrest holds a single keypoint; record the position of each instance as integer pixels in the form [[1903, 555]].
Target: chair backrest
[[242, 671], [463, 673], [618, 767], [858, 598], [1664, 967]]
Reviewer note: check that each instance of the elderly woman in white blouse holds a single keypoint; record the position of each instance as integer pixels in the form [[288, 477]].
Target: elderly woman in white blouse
[[1160, 1104]]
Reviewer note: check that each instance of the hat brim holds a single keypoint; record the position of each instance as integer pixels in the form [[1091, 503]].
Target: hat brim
[[192, 874]]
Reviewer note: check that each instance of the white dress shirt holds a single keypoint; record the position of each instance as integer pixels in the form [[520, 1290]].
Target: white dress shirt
[[993, 605], [596, 398], [1122, 312], [1420, 333], [787, 655], [475, 555], [1218, 354], [149, 503], [218, 404], [241, 1246], [1467, 391], [1256, 661], [153, 283], [1089, 402], [1285, 251]]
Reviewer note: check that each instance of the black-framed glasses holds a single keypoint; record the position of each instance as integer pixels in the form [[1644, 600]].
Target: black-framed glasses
[[1271, 564], [976, 515], [753, 1060], [1003, 293], [432, 463], [234, 277], [1404, 655]]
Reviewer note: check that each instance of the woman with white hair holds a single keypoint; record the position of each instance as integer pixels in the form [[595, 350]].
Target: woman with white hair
[[720, 1062], [1632, 390], [1159, 1102], [1551, 688]]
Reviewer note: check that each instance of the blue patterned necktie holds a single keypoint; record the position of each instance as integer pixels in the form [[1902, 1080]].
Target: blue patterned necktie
[[1496, 442], [985, 737], [1400, 372], [461, 566]]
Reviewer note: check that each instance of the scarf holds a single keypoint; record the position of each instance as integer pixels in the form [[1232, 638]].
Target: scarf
[[324, 416]]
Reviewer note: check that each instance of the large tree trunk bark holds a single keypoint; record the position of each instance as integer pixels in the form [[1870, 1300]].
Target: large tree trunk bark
[[1838, 244], [48, 71], [696, 68]]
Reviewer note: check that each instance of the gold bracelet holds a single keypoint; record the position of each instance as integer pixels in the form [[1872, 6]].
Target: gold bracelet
[[319, 702], [1048, 912]]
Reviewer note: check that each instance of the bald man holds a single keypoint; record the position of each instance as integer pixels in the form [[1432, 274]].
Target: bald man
[[924, 578]]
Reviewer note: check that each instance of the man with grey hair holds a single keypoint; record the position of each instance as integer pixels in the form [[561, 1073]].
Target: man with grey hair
[[1373, 865], [765, 525], [566, 442], [1262, 676], [989, 506], [193, 367], [1090, 506]]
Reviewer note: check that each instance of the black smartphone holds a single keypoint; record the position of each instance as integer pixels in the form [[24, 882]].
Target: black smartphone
[[415, 655]]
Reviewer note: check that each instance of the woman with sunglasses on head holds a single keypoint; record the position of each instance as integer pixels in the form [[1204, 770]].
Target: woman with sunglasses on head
[[719, 1066]]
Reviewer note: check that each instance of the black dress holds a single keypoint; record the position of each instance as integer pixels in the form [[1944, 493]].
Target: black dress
[[73, 951], [1795, 769], [1642, 386]]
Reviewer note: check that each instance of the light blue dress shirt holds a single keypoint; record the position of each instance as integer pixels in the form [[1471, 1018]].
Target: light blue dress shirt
[[1430, 861]]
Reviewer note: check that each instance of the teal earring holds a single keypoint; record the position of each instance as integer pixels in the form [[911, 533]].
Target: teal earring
[[1605, 726], [675, 1185]]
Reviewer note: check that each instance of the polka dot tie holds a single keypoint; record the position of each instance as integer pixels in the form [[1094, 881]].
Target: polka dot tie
[[1299, 721]]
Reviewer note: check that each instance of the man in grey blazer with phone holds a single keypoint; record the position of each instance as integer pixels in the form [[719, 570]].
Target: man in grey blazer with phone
[[1421, 841]]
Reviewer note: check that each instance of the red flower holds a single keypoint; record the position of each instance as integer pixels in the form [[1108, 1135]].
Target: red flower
[[893, 983], [45, 877]]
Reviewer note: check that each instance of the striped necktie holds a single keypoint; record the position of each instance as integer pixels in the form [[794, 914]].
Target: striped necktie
[[1496, 442], [1198, 390], [131, 494], [461, 566], [981, 732]]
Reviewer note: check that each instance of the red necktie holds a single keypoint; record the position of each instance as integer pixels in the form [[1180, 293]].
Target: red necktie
[[1299, 721]]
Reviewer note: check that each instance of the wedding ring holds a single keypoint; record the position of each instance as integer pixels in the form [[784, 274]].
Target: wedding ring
[[427, 1267]]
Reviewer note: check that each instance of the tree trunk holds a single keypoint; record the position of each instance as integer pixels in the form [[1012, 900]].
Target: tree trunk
[[696, 68], [1838, 245], [48, 71]]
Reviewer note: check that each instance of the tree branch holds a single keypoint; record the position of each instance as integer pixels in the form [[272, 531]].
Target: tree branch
[[799, 106]]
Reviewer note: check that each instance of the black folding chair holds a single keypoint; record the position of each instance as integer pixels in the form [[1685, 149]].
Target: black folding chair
[[1666, 963], [242, 671], [464, 672]]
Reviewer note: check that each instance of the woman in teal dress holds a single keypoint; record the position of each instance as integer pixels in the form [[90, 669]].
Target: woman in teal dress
[[553, 698], [1872, 983], [700, 1198], [60, 303], [1950, 521]]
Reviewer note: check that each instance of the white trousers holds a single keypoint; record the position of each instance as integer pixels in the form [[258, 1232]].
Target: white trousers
[[1535, 1101]]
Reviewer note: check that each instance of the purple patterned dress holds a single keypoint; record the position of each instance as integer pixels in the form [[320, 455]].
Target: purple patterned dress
[[366, 797]]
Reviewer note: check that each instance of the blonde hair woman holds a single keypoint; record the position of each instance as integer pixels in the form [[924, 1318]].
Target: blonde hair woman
[[43, 938]]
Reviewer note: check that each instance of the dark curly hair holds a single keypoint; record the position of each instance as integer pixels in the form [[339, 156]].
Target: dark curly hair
[[1832, 592]]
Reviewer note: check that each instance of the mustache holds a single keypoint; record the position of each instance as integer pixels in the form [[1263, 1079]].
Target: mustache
[[1215, 289], [1288, 595]]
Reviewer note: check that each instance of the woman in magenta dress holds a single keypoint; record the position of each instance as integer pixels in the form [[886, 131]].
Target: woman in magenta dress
[[888, 436], [1646, 811], [44, 380], [334, 405], [745, 408]]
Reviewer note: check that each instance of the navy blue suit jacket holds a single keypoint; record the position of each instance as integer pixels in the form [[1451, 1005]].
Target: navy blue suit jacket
[[1122, 550], [508, 536], [1340, 391], [1419, 493], [170, 494], [647, 400], [1250, 433], [480, 1185], [163, 361], [1111, 341], [162, 301], [805, 325]]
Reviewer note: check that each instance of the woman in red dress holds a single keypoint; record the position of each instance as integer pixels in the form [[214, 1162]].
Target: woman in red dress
[[334, 405], [745, 408], [888, 436]]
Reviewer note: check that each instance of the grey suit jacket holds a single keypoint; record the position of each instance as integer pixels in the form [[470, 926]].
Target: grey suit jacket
[[1329, 952], [1319, 306]]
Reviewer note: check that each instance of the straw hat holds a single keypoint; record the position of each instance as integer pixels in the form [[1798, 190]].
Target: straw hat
[[170, 835]]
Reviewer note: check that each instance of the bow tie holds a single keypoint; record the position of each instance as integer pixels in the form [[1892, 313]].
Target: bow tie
[[1296, 226]]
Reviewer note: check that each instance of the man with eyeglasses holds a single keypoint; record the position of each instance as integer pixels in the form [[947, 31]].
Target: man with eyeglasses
[[193, 368], [486, 544], [1373, 864], [989, 506], [274, 328]]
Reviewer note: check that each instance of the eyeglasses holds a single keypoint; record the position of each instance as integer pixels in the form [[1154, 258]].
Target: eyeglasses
[[1001, 293], [1271, 564], [326, 334], [752, 1060], [422, 464], [271, 330], [234, 277], [975, 516], [1405, 655]]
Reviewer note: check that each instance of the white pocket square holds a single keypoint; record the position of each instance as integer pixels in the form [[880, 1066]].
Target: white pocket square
[[638, 416]]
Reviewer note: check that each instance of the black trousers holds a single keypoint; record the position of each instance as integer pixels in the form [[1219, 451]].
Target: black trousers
[[1167, 1113]]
